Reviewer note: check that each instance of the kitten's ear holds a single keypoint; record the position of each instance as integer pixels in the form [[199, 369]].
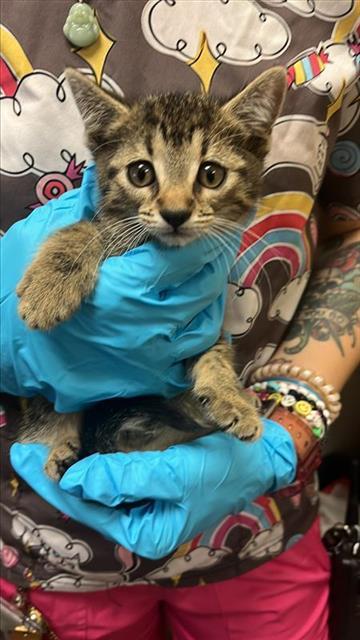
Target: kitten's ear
[[98, 109], [258, 106]]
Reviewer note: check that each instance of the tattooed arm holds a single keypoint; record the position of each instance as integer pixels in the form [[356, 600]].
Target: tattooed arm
[[325, 333]]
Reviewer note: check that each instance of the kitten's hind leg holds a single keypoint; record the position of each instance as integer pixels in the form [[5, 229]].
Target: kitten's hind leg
[[66, 448], [59, 431], [227, 404]]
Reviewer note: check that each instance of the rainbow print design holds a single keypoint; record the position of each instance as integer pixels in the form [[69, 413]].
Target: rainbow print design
[[279, 235], [261, 514], [306, 68]]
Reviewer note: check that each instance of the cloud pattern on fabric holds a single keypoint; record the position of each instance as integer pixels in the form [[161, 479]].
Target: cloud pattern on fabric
[[242, 308], [330, 10], [299, 141], [167, 28], [344, 57], [200, 557], [289, 296], [41, 127]]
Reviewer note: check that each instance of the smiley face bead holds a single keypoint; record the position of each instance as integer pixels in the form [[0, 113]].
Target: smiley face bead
[[302, 408]]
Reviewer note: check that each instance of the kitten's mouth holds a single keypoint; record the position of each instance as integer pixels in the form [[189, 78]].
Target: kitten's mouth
[[177, 237]]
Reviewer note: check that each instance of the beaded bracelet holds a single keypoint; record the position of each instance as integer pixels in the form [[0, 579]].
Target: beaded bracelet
[[295, 399], [293, 373], [300, 416]]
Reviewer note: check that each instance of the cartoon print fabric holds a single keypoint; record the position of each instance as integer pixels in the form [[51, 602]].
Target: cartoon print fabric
[[216, 46]]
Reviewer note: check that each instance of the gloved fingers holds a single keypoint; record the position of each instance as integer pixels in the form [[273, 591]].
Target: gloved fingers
[[169, 476], [28, 461], [205, 265], [184, 292], [201, 333], [281, 452], [153, 530], [20, 456], [206, 284], [114, 479], [148, 529]]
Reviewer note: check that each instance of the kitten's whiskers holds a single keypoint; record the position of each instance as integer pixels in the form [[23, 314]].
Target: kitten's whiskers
[[100, 233], [122, 238], [249, 263], [273, 250]]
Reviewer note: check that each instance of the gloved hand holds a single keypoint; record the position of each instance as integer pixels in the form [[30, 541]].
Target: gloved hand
[[152, 308], [187, 489]]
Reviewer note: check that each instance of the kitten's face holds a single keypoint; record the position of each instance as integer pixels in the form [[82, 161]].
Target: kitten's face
[[175, 166]]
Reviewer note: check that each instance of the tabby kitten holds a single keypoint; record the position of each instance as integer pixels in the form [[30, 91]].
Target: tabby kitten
[[180, 166]]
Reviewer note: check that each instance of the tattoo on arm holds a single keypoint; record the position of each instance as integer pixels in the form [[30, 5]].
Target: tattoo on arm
[[330, 307]]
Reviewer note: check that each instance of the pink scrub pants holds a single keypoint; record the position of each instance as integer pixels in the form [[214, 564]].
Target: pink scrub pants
[[284, 599]]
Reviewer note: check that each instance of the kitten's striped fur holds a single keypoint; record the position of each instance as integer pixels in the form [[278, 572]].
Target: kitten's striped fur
[[180, 142]]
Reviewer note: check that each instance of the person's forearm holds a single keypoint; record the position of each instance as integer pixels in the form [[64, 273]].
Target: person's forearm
[[325, 333]]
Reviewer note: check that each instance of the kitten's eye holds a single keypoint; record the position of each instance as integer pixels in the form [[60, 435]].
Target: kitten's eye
[[141, 173], [211, 175]]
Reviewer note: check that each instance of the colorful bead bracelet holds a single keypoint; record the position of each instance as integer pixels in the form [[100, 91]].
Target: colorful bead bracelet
[[295, 399], [309, 380]]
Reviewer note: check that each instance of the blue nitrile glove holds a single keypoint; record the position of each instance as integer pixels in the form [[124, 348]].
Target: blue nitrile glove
[[188, 488], [151, 309]]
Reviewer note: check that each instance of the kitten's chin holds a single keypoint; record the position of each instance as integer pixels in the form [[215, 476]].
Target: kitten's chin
[[179, 239]]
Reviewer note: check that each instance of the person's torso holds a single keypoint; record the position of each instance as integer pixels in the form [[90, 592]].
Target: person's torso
[[216, 46]]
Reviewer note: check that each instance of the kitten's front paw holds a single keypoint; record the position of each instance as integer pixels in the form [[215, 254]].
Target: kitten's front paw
[[234, 413], [61, 458], [247, 424], [45, 298]]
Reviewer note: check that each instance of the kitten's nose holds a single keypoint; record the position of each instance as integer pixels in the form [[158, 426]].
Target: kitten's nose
[[175, 217]]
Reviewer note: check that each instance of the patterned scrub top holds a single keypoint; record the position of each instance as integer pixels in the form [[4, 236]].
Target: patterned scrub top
[[216, 46]]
